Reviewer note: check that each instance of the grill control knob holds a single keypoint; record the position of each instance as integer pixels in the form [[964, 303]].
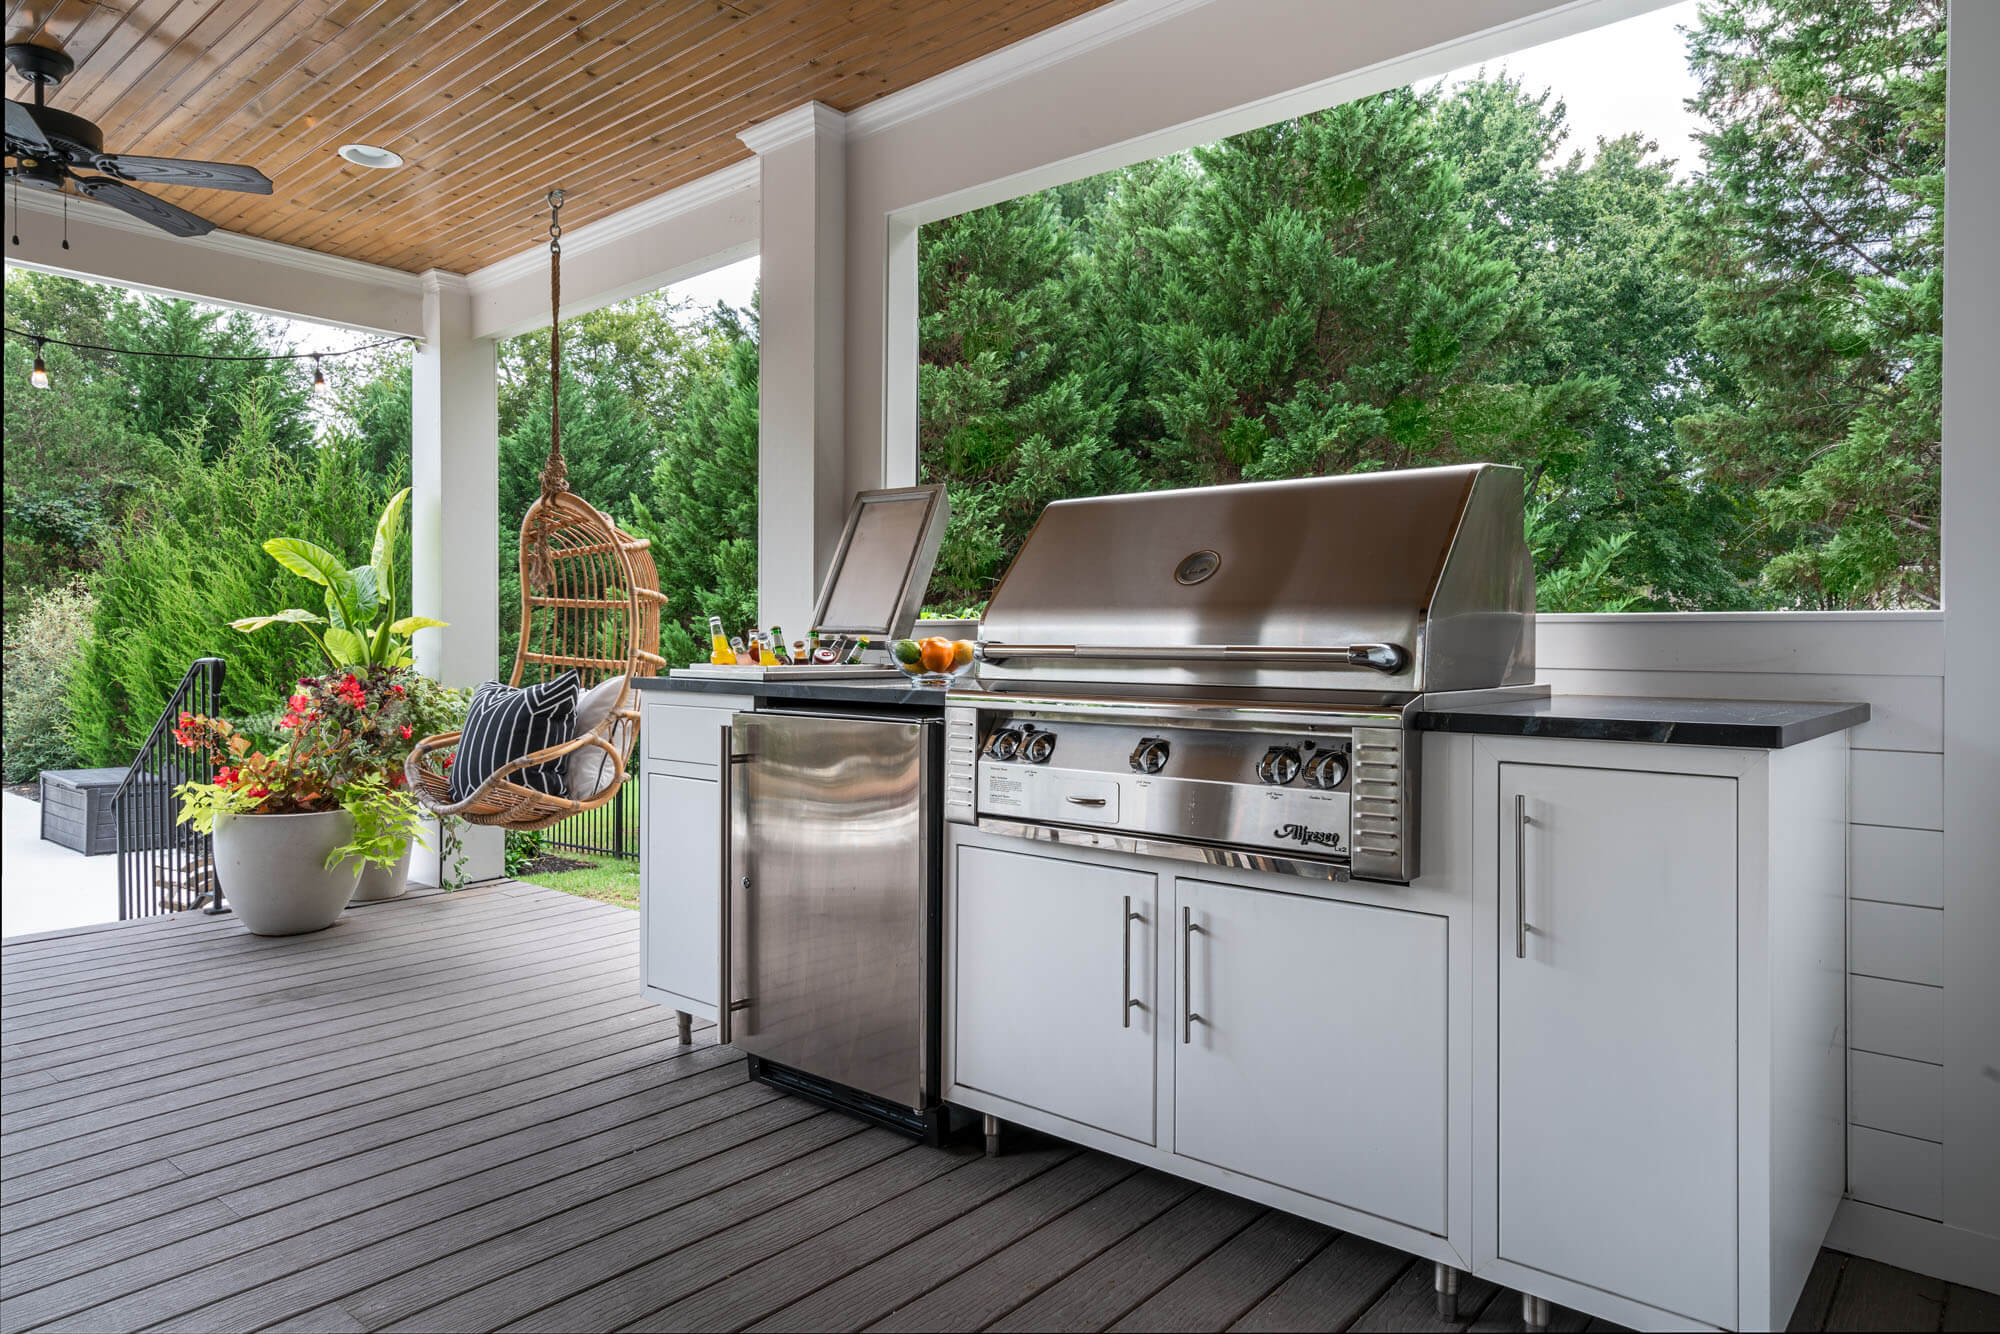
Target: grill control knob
[[1150, 755], [1038, 747], [1279, 766], [1327, 769], [1004, 746]]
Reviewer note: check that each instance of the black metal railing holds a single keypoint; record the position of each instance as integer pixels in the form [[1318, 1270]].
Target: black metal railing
[[612, 830], [164, 866]]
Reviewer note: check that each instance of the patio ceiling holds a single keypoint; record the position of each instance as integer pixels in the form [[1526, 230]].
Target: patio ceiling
[[489, 102]]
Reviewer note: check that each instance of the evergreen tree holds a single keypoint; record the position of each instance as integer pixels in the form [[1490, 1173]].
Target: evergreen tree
[[1818, 233], [701, 507], [1009, 421]]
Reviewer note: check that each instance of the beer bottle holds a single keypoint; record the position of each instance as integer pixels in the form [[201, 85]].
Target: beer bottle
[[777, 642], [719, 652]]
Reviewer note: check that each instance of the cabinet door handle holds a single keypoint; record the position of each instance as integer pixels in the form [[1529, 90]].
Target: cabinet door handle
[[1126, 929], [1521, 875], [1187, 975], [724, 1033]]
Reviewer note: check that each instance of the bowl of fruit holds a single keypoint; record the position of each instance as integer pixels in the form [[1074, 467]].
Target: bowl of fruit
[[935, 661]]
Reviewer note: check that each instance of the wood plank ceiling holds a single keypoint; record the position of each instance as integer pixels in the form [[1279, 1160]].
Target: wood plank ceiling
[[490, 102]]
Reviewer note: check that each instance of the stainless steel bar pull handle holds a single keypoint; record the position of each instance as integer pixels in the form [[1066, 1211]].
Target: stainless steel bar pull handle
[[1075, 800], [724, 1030], [1521, 875], [1188, 1017], [1126, 929]]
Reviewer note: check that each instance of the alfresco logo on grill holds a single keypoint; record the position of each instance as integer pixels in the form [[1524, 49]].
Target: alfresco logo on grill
[[1298, 833]]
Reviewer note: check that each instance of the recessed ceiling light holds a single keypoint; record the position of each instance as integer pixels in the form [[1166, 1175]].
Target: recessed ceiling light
[[367, 155]]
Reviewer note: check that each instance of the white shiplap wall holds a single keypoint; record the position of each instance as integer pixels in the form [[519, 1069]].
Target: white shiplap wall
[[1894, 662]]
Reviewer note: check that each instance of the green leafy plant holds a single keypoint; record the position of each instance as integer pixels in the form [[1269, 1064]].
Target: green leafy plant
[[523, 846], [362, 628], [298, 778], [386, 822]]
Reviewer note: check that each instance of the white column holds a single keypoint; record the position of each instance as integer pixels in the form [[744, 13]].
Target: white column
[[1971, 1165], [802, 493], [455, 507]]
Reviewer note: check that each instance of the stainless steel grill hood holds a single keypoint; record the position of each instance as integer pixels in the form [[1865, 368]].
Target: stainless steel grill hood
[[1388, 583]]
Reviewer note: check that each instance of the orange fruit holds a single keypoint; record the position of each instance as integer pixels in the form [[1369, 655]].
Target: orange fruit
[[937, 654], [961, 652]]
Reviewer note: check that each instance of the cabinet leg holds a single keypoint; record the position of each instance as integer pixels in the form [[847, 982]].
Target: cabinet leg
[[685, 1023], [1534, 1313], [1446, 1281], [991, 1126]]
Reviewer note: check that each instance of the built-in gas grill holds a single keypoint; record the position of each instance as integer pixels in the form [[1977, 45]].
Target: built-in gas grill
[[1225, 674]]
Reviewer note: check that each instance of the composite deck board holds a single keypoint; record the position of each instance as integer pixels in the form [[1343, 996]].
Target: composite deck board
[[285, 1150], [455, 1112]]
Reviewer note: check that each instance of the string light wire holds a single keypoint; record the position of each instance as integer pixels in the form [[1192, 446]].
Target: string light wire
[[40, 376]]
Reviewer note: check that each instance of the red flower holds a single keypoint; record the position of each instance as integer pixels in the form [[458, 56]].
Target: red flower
[[404, 731], [258, 792], [226, 774]]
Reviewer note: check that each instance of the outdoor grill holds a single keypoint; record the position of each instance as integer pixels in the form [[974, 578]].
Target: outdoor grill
[[1228, 674]]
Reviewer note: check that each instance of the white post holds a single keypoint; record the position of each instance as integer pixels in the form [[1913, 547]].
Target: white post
[[802, 494], [455, 507]]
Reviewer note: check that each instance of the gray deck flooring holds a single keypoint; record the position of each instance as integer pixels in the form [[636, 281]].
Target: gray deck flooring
[[455, 1113]]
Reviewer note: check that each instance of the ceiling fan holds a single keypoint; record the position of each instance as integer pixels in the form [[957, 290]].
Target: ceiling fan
[[49, 148]]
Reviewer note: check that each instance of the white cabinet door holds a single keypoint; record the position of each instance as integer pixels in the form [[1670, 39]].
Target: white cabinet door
[[1617, 1032], [1043, 949], [681, 888], [1315, 1057]]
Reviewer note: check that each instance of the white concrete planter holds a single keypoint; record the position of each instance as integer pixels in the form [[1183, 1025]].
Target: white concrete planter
[[272, 870], [385, 882]]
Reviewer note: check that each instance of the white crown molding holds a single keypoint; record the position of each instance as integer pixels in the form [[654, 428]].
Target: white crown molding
[[698, 193], [443, 280], [235, 245], [788, 127], [1030, 55]]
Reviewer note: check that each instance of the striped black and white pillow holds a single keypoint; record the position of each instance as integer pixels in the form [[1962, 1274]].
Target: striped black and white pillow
[[505, 723]]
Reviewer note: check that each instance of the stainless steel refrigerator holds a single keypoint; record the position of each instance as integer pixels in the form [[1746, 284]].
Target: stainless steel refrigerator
[[830, 921]]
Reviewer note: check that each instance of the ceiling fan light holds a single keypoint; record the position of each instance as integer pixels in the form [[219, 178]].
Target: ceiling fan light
[[368, 155]]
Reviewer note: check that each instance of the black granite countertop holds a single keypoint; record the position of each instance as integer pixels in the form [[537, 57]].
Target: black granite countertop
[[885, 692], [1751, 724]]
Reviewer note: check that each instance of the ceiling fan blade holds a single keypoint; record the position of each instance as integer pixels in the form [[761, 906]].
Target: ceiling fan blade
[[22, 129], [167, 217], [179, 171]]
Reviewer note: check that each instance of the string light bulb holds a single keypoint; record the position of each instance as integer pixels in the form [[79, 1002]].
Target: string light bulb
[[39, 376], [319, 376]]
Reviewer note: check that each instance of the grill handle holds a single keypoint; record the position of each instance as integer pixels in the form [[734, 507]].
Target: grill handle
[[1386, 658]]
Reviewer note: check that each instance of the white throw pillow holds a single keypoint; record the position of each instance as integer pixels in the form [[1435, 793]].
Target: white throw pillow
[[590, 769]]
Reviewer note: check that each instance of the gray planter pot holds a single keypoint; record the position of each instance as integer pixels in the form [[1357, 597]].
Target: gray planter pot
[[384, 882], [272, 875]]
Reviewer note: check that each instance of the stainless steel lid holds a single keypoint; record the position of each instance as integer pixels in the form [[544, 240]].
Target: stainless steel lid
[[1395, 581]]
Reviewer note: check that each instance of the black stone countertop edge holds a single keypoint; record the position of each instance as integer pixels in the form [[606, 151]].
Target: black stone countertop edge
[[1747, 724], [884, 692]]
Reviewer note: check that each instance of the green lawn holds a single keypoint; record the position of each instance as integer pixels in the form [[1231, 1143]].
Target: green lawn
[[612, 880]]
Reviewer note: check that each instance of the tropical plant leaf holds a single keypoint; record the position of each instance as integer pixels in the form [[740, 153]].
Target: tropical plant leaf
[[387, 530], [314, 562], [367, 596], [345, 647], [308, 560], [409, 625], [289, 616]]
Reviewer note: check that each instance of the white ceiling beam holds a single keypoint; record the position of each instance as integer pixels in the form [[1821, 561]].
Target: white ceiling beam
[[686, 231], [222, 268]]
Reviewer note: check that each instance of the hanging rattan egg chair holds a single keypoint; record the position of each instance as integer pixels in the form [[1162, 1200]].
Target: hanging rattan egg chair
[[590, 601]]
